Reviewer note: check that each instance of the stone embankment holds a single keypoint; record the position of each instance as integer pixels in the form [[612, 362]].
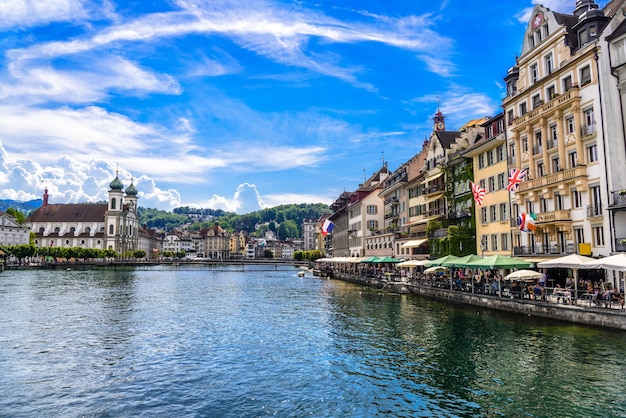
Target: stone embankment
[[579, 313]]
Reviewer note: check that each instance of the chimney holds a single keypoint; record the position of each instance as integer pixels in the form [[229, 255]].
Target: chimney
[[45, 197]]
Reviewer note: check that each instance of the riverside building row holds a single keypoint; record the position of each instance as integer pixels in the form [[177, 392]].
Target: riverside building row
[[563, 123]]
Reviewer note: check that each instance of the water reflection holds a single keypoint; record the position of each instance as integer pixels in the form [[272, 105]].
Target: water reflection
[[226, 342]]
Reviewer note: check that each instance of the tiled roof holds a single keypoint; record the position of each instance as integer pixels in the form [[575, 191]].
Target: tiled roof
[[70, 212]]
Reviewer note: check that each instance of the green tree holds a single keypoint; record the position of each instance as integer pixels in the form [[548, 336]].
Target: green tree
[[19, 216]]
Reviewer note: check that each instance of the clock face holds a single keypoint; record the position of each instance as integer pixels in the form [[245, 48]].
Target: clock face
[[440, 125], [537, 20]]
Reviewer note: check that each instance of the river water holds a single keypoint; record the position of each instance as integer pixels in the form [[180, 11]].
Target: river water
[[251, 341]]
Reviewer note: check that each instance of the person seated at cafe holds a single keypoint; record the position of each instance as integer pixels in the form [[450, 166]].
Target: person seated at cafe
[[558, 292], [567, 295], [569, 282], [516, 290], [537, 291]]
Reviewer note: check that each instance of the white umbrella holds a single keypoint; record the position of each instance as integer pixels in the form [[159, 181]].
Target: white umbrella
[[572, 261], [613, 262], [435, 269], [523, 275], [411, 263]]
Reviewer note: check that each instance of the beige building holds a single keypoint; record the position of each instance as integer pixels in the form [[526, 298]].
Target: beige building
[[552, 109]]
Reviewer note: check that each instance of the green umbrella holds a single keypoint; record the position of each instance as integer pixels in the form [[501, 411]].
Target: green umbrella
[[387, 259], [499, 261], [440, 261], [370, 260], [462, 261]]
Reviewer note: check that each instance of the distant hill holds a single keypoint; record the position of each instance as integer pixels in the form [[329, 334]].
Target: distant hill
[[24, 207]]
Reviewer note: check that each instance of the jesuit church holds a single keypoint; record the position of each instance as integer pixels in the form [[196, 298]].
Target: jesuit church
[[114, 225]]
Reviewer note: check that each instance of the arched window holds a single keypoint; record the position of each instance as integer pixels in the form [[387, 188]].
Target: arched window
[[41, 230], [87, 230], [111, 229], [113, 203], [57, 230], [72, 230]]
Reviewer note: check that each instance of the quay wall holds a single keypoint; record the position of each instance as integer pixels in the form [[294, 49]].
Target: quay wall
[[606, 318]]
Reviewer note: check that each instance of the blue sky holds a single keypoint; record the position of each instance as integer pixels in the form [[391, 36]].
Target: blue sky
[[238, 104]]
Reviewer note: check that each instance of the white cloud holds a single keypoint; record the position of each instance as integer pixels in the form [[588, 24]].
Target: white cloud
[[25, 13], [72, 181], [246, 199]]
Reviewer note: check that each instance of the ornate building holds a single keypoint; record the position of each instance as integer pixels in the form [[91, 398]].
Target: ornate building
[[552, 109], [113, 225]]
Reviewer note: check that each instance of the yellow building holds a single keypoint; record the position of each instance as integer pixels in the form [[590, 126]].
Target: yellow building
[[493, 218]]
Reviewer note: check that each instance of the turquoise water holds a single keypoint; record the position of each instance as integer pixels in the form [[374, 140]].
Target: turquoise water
[[260, 341]]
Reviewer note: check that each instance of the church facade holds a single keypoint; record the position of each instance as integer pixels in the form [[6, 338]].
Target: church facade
[[114, 225]]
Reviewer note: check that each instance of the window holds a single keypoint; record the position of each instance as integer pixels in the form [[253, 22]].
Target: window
[[585, 75], [482, 184], [553, 132], [492, 184], [525, 144], [503, 212], [558, 201], [596, 200], [111, 229], [548, 63], [536, 101], [579, 235], [530, 206], [481, 161], [567, 83], [501, 181], [490, 157], [534, 73], [72, 230], [113, 203], [592, 153], [589, 119], [372, 224], [543, 203], [577, 199], [483, 215], [510, 116], [87, 230], [551, 92], [512, 152], [57, 230], [500, 153], [523, 109], [598, 236], [504, 240], [494, 242], [372, 209], [556, 166], [540, 169], [573, 159], [494, 213], [570, 124]]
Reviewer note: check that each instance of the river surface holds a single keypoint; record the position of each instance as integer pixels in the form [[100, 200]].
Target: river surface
[[258, 341]]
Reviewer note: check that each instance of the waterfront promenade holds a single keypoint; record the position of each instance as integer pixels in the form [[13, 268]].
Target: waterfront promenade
[[600, 313]]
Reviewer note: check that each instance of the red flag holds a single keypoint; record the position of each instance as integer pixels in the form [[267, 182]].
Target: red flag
[[479, 193]]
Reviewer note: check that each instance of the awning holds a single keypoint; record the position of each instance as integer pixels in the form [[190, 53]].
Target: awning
[[414, 243], [434, 197], [434, 176]]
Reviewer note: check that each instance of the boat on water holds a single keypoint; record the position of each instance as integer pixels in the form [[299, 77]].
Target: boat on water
[[301, 273]]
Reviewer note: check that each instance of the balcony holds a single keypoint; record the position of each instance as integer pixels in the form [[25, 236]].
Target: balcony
[[391, 215], [563, 100], [594, 210], [461, 214], [543, 250], [555, 216], [588, 130], [565, 176], [619, 199], [435, 188], [620, 245], [435, 212], [537, 149]]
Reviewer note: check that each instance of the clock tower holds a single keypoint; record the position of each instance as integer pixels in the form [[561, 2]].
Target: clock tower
[[439, 125]]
